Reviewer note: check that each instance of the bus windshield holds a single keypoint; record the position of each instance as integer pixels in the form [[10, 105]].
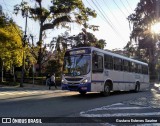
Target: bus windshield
[[76, 65]]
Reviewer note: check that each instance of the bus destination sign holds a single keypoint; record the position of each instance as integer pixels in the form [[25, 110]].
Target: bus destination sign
[[78, 52]]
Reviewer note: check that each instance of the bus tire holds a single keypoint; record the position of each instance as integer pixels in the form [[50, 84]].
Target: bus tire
[[106, 91], [137, 87], [82, 92]]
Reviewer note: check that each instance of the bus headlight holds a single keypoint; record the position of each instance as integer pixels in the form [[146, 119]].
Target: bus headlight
[[85, 81], [64, 81]]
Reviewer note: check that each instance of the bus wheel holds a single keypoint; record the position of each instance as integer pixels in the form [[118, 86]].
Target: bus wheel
[[106, 91], [137, 87], [82, 92]]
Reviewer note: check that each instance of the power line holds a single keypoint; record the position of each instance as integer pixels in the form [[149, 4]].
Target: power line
[[101, 15], [129, 5], [124, 6], [119, 8], [95, 9], [111, 12], [107, 19]]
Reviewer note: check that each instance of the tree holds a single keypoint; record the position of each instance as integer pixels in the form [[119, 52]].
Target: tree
[[130, 49], [145, 16], [59, 45], [53, 66], [89, 40], [10, 44], [61, 13]]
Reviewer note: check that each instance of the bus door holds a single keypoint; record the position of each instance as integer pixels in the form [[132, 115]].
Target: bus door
[[97, 71]]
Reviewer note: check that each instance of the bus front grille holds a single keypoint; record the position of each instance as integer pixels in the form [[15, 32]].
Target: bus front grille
[[73, 79]]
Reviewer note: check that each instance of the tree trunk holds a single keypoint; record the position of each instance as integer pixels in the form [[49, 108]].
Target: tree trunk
[[152, 65], [14, 74], [39, 61], [1, 75]]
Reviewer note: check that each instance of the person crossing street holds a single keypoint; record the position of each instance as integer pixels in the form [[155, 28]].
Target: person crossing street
[[53, 82]]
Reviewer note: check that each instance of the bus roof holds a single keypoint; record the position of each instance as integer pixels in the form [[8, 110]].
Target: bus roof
[[112, 54]]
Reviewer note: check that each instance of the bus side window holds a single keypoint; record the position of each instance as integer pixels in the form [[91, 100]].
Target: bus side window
[[108, 62], [132, 67], [118, 64], [145, 70], [138, 68], [97, 63], [95, 60], [126, 65]]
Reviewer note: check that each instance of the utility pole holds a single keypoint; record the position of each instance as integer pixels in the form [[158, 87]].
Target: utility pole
[[33, 70], [24, 44]]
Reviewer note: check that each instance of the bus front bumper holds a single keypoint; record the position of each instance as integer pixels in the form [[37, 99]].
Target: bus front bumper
[[77, 87]]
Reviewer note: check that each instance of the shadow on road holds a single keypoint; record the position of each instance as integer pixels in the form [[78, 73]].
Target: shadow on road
[[98, 95]]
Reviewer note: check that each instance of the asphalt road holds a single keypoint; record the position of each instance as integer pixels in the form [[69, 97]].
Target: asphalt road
[[57, 103]]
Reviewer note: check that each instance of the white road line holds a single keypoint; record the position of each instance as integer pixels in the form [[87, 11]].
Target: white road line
[[104, 107], [118, 106], [121, 114], [122, 108]]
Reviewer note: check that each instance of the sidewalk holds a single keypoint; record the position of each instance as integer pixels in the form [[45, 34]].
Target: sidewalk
[[13, 93], [28, 87]]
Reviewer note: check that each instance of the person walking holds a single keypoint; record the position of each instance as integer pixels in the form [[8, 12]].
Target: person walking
[[53, 82], [48, 80]]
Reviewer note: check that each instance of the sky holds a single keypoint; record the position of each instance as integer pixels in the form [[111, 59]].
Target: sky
[[111, 19]]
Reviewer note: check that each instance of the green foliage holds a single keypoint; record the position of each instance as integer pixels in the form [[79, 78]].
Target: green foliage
[[130, 49], [146, 14], [87, 39], [53, 66], [144, 17], [10, 43], [60, 13], [61, 43]]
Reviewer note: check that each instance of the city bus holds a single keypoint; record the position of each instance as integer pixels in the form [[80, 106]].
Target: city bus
[[89, 69]]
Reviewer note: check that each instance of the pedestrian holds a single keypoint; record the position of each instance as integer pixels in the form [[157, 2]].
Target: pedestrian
[[48, 79], [53, 82]]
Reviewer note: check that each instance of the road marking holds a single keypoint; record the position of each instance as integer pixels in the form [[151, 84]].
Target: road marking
[[118, 106], [121, 114], [112, 107]]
